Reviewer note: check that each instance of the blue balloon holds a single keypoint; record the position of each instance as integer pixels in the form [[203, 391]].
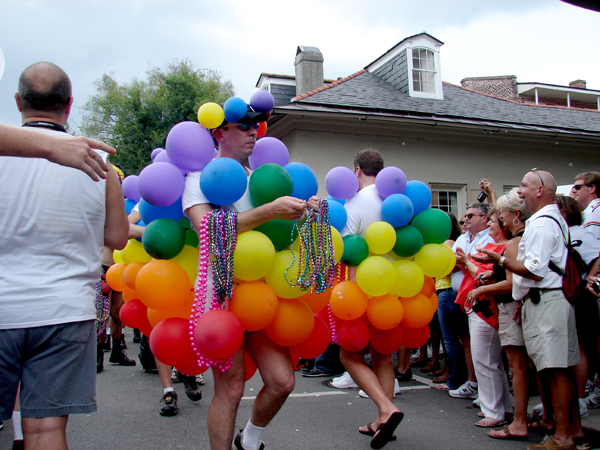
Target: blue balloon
[[337, 215], [129, 204], [150, 213], [304, 179], [341, 202], [419, 194], [223, 181], [235, 109], [397, 210]]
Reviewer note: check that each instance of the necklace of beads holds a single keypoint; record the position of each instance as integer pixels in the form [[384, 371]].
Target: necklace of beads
[[316, 258], [102, 309], [218, 238]]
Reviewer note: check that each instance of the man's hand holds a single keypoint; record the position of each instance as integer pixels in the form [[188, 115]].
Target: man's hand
[[78, 152], [288, 208]]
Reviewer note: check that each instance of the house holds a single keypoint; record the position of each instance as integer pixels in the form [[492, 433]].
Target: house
[[445, 135]]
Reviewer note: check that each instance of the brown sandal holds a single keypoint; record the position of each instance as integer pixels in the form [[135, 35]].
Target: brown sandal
[[371, 430]]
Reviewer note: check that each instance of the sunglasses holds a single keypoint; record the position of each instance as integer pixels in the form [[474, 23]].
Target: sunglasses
[[576, 187], [471, 215], [538, 174], [462, 222], [245, 126]]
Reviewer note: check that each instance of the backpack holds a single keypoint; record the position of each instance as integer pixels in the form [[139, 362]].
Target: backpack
[[576, 268]]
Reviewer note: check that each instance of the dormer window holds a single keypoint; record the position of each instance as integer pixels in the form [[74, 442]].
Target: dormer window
[[423, 70]]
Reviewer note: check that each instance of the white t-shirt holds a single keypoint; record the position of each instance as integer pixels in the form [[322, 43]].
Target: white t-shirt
[[542, 242], [591, 217], [590, 246], [363, 209], [52, 235], [468, 246]]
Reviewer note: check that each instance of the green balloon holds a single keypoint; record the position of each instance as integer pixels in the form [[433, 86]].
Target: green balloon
[[434, 224], [280, 232], [356, 250], [163, 238], [269, 182], [408, 241], [191, 238]]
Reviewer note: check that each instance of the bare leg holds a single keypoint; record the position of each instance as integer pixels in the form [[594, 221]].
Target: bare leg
[[47, 433], [403, 359], [116, 326], [164, 372], [562, 399], [517, 359]]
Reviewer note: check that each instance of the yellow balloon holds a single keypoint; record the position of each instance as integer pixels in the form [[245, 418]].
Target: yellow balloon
[[211, 115], [338, 244], [452, 256], [433, 260], [118, 256], [376, 276], [134, 251], [276, 278], [253, 257], [409, 278], [188, 260], [381, 237]]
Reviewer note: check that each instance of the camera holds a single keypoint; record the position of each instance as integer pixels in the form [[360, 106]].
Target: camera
[[483, 307], [596, 287], [481, 197]]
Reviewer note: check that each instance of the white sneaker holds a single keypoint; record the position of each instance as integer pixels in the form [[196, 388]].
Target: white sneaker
[[174, 378], [344, 382], [589, 387], [538, 409], [397, 390], [583, 409], [467, 390], [592, 401], [200, 380]]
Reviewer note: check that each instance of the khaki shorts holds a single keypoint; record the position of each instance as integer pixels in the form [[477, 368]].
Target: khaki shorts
[[511, 332], [549, 331]]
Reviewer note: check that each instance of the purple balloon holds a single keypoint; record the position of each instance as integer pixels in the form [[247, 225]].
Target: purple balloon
[[390, 180], [130, 188], [155, 153], [341, 183], [161, 184], [269, 150], [190, 146], [164, 157], [262, 101]]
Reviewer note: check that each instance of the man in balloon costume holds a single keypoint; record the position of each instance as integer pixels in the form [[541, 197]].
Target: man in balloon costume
[[235, 140]]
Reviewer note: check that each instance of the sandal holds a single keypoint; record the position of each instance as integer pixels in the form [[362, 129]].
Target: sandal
[[490, 423], [504, 433], [372, 429], [534, 423], [418, 363], [385, 430], [438, 373], [430, 367], [442, 379]]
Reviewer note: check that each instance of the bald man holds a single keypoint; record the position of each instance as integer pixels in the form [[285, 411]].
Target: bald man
[[54, 224]]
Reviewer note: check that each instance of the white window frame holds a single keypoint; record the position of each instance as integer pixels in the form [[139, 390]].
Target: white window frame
[[461, 196], [438, 94]]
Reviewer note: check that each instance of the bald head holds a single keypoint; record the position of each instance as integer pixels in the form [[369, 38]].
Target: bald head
[[44, 87], [537, 190]]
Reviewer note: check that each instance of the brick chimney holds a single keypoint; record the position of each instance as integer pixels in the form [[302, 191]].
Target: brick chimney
[[578, 84], [503, 86], [309, 69]]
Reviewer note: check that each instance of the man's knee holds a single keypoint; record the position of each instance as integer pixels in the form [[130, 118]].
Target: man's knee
[[41, 425], [283, 384]]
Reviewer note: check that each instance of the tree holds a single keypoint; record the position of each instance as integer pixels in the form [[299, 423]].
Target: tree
[[136, 117]]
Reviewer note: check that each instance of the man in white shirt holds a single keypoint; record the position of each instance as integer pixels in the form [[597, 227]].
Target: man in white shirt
[[547, 316], [585, 191]]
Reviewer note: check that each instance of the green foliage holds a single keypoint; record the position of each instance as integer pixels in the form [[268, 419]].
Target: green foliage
[[136, 117]]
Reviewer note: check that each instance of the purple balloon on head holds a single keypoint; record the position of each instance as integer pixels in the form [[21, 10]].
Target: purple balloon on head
[[190, 146], [164, 157], [234, 108], [130, 188], [161, 184], [262, 101], [269, 150], [341, 183], [390, 180], [155, 153]]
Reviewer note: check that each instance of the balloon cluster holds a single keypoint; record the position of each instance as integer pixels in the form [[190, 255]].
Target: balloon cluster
[[395, 261]]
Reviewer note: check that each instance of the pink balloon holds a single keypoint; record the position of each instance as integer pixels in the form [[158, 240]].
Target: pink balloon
[[219, 334]]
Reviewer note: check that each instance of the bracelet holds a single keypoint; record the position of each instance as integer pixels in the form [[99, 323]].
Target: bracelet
[[501, 262], [467, 265]]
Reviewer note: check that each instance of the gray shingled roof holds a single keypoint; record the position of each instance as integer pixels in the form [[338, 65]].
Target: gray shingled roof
[[366, 93]]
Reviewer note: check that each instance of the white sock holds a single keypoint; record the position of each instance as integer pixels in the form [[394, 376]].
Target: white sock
[[16, 421], [251, 436], [473, 383], [169, 389]]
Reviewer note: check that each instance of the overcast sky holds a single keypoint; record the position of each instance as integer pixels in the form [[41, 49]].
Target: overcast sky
[[546, 41]]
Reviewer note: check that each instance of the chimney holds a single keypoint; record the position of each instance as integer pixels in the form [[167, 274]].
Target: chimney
[[309, 69], [578, 84]]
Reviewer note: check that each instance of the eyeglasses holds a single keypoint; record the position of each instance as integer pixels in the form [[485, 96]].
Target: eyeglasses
[[576, 187], [538, 174], [245, 126], [462, 222], [470, 215]]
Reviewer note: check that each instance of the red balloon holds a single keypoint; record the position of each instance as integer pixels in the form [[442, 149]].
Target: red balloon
[[316, 343], [262, 129], [134, 314], [415, 337], [352, 335], [386, 341], [170, 341], [324, 316], [191, 367], [219, 334], [249, 366]]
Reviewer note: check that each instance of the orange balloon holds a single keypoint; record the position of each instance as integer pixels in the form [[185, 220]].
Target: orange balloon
[[428, 287], [255, 304], [114, 277], [293, 323], [434, 303], [162, 284], [129, 294], [130, 273], [182, 310], [385, 312], [348, 301], [262, 129], [317, 301], [417, 311]]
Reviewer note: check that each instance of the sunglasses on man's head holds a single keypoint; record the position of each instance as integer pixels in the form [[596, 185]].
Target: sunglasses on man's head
[[245, 126]]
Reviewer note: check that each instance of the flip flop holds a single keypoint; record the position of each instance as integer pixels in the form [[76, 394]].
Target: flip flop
[[372, 430], [386, 430], [490, 423], [505, 434], [534, 423]]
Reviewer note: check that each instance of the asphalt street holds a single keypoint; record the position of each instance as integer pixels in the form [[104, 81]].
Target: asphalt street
[[314, 417]]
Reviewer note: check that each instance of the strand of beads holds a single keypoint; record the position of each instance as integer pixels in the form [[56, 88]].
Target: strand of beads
[[102, 309], [340, 275]]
